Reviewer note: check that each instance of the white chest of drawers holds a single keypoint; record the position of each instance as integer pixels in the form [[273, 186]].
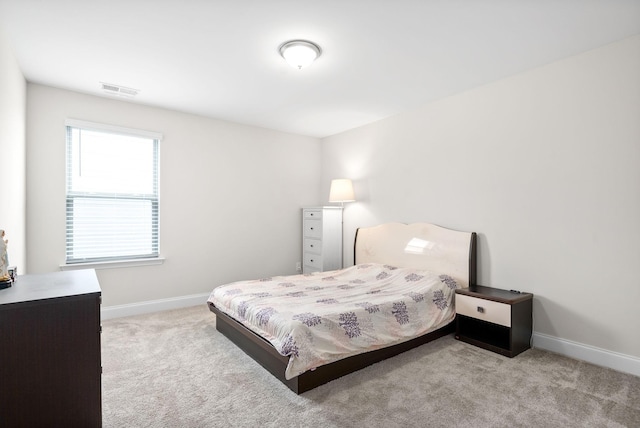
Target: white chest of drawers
[[321, 239]]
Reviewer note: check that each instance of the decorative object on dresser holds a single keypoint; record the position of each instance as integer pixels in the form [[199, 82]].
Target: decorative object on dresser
[[321, 239], [494, 319], [50, 364], [5, 278], [307, 330]]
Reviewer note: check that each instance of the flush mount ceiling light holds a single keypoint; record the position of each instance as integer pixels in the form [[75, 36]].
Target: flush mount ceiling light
[[299, 53]]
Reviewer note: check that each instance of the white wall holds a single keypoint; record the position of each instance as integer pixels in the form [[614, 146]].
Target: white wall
[[545, 166], [230, 196], [12, 156]]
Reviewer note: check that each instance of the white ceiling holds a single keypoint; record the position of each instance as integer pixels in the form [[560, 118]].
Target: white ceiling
[[219, 58]]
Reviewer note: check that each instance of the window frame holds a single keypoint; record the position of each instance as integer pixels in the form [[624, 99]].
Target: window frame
[[117, 260]]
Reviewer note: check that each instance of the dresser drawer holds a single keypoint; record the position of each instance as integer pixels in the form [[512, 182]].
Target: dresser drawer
[[312, 214], [313, 228], [313, 260], [486, 310], [312, 246]]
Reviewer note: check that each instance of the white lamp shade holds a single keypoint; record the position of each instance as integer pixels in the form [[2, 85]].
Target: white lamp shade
[[341, 190]]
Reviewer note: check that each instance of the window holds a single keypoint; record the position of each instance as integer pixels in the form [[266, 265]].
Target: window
[[112, 193]]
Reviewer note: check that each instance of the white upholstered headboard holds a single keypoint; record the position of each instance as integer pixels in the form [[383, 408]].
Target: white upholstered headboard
[[420, 246]]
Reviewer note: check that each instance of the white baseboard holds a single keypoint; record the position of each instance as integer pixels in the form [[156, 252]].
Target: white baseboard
[[149, 306], [590, 354], [579, 351]]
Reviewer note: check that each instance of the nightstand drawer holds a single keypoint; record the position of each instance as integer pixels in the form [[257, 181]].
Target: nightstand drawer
[[486, 310]]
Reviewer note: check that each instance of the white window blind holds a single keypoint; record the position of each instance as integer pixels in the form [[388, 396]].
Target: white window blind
[[112, 193]]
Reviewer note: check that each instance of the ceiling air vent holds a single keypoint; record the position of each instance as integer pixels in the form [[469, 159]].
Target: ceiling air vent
[[118, 90]]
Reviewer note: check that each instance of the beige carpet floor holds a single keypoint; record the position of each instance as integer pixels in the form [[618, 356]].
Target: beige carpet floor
[[173, 369]]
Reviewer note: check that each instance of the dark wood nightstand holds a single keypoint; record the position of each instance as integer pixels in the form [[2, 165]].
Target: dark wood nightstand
[[494, 319]]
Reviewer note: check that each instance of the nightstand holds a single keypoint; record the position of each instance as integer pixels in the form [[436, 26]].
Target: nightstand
[[494, 319]]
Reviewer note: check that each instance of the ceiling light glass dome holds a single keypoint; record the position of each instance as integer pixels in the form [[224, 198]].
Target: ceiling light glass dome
[[299, 53]]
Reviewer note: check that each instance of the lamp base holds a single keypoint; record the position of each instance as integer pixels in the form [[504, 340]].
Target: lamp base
[[5, 283]]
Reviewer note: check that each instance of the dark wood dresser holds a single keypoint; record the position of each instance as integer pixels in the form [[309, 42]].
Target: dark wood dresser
[[50, 365]]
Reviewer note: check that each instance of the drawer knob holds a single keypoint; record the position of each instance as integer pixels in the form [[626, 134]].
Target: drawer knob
[[481, 309], [311, 245], [311, 228]]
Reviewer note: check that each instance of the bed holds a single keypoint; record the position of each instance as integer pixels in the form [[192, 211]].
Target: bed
[[310, 329]]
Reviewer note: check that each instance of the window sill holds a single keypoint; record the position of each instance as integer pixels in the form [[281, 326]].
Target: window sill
[[113, 264]]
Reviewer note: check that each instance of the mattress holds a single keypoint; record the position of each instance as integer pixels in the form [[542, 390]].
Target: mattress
[[319, 318]]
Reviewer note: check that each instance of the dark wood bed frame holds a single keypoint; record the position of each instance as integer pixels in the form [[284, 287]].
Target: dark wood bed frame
[[266, 355]]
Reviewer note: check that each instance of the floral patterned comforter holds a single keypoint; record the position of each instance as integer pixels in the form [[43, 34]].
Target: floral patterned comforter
[[326, 316]]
